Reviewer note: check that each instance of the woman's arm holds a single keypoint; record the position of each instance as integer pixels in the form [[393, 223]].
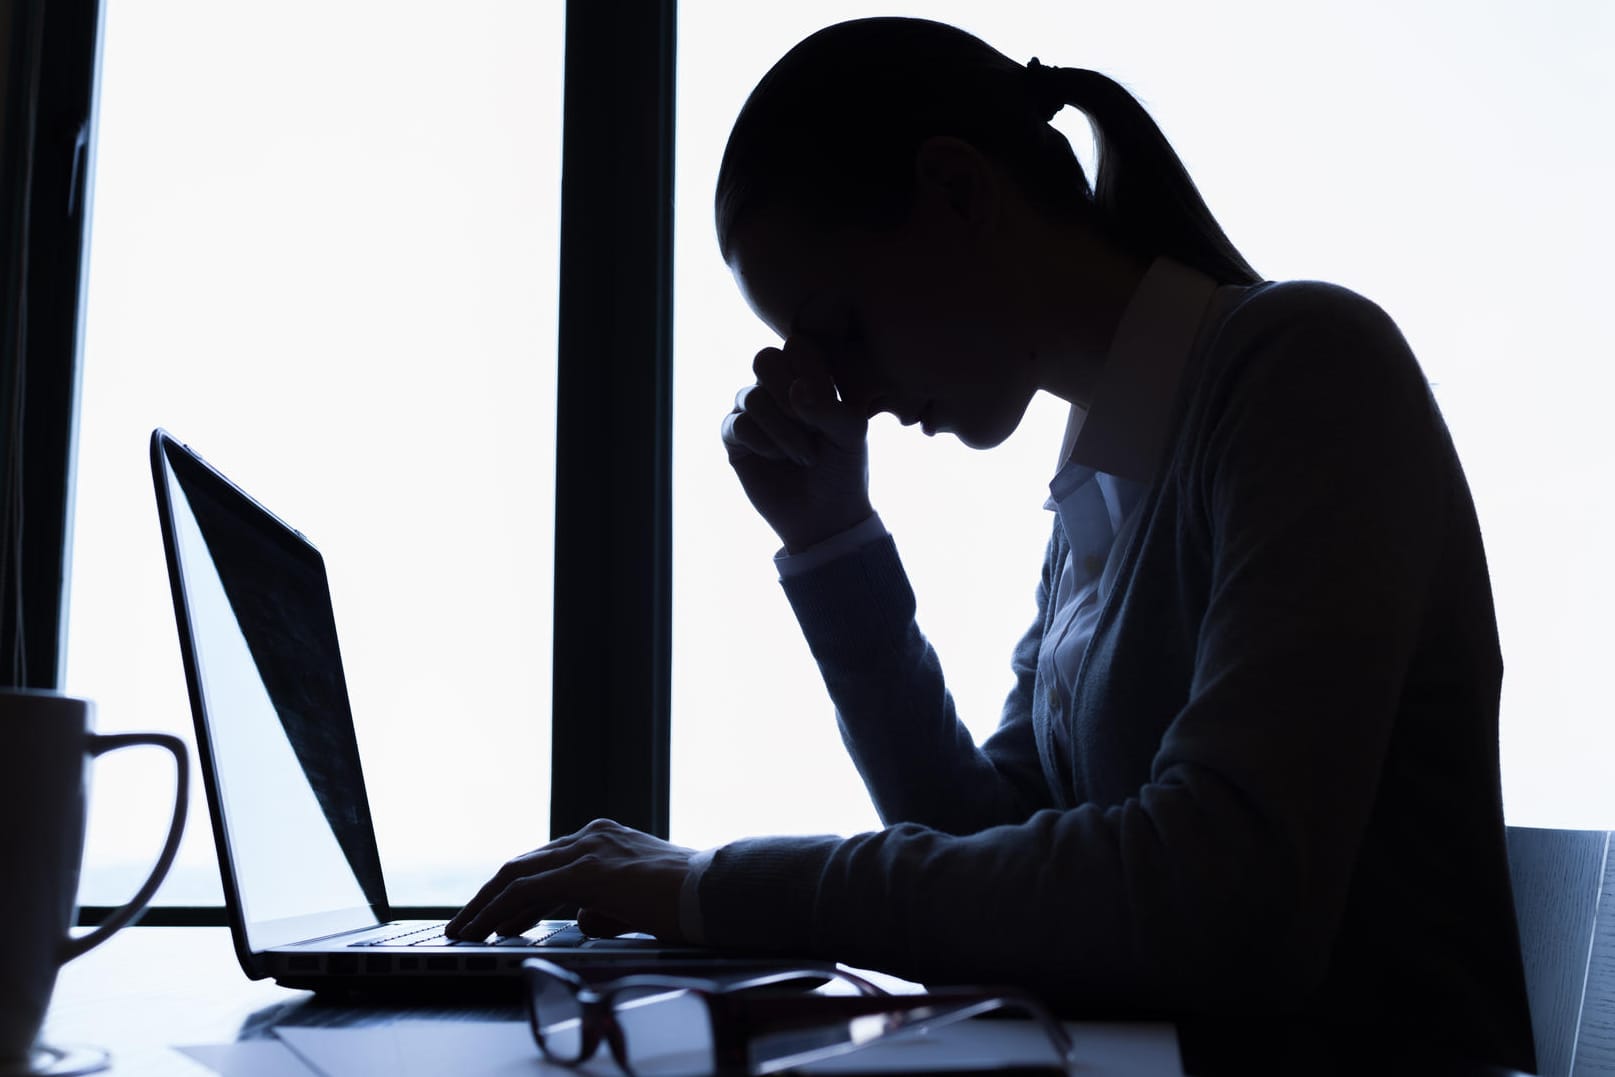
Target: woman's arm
[[801, 454], [919, 762], [1328, 482]]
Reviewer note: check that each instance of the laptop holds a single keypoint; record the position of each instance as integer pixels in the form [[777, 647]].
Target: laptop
[[302, 876]]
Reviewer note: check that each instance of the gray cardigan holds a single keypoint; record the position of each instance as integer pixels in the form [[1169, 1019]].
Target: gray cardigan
[[1279, 822]]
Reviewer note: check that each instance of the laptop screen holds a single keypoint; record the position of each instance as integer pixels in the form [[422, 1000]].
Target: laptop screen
[[296, 830]]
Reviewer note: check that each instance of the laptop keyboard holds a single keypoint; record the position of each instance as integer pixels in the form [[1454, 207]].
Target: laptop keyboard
[[432, 935]]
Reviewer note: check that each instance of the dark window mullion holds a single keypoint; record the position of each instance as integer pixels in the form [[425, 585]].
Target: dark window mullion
[[613, 430], [46, 153]]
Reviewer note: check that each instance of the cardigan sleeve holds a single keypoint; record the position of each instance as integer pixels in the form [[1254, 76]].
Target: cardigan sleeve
[[1220, 883], [897, 718]]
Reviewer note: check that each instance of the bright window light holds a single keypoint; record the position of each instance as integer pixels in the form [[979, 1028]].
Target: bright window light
[[323, 253]]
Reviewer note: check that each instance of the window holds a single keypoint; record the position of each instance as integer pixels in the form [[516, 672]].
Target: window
[[324, 254], [1440, 160]]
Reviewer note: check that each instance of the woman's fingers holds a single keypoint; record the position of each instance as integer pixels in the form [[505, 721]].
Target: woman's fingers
[[531, 897], [524, 900], [515, 868], [760, 427], [623, 876], [813, 397], [515, 909], [490, 891], [816, 403], [792, 403]]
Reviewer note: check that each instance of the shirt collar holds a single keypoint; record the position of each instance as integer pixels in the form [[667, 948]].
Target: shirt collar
[[1125, 427]]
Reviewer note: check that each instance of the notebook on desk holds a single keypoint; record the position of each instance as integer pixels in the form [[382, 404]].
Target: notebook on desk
[[302, 876]]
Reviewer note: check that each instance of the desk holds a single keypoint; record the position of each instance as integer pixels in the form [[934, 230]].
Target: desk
[[151, 988]]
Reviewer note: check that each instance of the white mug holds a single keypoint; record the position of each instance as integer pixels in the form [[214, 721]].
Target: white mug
[[46, 745]]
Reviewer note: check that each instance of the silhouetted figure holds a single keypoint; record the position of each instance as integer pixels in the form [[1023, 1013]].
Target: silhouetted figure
[[1248, 777]]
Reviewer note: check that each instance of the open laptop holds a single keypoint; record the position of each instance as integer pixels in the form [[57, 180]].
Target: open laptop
[[297, 851]]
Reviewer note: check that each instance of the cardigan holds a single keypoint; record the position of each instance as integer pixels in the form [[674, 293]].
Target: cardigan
[[1279, 822]]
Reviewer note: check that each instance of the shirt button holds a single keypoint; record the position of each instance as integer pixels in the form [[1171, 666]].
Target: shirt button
[[1054, 698], [1093, 564]]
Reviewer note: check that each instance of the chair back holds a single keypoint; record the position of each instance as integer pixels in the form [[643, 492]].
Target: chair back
[[1565, 904]]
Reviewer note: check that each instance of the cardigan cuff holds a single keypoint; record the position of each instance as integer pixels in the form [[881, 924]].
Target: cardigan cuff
[[859, 601], [795, 564], [761, 893]]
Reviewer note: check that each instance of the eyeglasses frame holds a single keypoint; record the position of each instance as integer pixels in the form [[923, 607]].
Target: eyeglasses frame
[[737, 1016]]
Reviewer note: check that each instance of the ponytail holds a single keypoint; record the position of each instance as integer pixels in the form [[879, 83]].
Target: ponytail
[[833, 128], [1141, 190]]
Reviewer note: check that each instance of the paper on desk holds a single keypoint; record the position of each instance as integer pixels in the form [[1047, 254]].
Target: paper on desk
[[502, 1048], [250, 1058], [360, 1051], [1142, 1049], [421, 1048]]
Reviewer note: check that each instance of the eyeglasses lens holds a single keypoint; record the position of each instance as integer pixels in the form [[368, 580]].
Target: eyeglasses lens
[[667, 1032], [557, 1018]]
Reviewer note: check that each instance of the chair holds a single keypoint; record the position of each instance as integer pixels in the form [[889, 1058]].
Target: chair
[[1564, 898]]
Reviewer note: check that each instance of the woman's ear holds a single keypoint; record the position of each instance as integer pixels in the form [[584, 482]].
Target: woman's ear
[[953, 177]]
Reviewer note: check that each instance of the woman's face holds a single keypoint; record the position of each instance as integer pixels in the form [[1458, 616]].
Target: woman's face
[[919, 322]]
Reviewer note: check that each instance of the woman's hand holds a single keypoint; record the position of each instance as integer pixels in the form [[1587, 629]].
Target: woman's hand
[[617, 878], [801, 454]]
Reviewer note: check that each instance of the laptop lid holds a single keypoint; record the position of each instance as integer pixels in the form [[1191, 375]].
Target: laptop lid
[[275, 738]]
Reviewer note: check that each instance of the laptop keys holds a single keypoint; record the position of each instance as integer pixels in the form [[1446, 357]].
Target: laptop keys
[[554, 934], [561, 935]]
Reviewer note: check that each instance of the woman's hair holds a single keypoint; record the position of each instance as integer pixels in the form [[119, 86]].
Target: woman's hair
[[831, 132]]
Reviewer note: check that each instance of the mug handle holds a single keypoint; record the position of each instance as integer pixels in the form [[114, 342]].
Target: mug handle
[[100, 745]]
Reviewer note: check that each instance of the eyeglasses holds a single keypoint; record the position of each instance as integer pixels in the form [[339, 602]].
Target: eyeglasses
[[658, 1025]]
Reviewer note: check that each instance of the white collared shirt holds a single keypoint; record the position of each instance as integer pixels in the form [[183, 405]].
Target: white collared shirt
[[1110, 455]]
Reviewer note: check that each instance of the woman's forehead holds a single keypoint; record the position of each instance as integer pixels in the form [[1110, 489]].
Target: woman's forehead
[[788, 272]]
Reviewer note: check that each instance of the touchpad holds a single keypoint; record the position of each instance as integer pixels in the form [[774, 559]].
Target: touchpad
[[633, 941]]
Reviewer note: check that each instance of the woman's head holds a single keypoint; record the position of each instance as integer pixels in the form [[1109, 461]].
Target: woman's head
[[909, 167], [831, 133]]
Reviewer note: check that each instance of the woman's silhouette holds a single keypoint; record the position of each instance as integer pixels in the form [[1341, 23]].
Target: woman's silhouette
[[1247, 778]]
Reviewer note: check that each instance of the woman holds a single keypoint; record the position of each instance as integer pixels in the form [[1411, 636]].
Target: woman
[[1247, 778]]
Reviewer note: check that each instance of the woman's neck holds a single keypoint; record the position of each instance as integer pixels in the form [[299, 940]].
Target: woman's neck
[[1086, 286]]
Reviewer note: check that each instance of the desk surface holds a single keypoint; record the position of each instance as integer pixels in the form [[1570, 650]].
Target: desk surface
[[152, 988]]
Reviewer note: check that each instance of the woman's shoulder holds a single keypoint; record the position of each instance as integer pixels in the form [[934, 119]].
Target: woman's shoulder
[[1287, 341], [1310, 309]]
